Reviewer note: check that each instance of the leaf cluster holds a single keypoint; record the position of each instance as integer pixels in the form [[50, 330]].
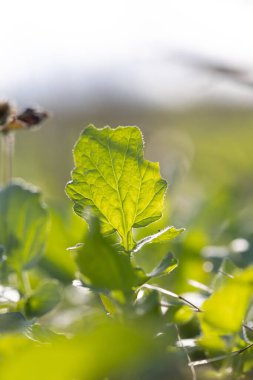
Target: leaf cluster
[[64, 311]]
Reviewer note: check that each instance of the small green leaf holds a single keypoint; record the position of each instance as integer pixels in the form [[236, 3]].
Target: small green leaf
[[43, 334], [112, 179], [23, 225], [183, 315], [103, 267], [226, 308], [108, 303], [162, 236], [168, 263], [43, 300]]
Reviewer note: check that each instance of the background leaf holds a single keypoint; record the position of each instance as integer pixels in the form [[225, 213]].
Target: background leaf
[[168, 263], [66, 229], [103, 267], [116, 348], [23, 224], [226, 308], [43, 300]]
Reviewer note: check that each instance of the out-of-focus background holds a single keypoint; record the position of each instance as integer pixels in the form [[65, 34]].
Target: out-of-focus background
[[182, 70]]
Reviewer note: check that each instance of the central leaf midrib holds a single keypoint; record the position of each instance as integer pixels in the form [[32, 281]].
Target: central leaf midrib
[[117, 182], [139, 190]]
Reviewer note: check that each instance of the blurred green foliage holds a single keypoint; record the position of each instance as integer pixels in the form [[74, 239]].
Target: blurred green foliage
[[206, 156]]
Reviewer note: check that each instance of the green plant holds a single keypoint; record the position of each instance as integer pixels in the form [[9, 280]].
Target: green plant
[[119, 320]]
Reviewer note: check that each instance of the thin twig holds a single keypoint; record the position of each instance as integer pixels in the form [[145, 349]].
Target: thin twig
[[193, 372], [221, 357], [171, 294], [243, 349], [247, 327], [165, 304], [200, 286], [196, 308], [225, 273]]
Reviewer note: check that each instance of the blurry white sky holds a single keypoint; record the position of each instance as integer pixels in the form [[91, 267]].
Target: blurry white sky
[[60, 45]]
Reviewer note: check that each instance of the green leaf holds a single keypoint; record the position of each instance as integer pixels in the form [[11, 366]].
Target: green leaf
[[183, 315], [103, 267], [162, 236], [66, 228], [43, 334], [168, 263], [23, 225], [43, 300], [117, 348], [112, 179], [226, 308]]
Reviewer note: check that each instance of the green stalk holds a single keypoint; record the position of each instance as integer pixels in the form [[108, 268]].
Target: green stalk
[[7, 152], [23, 283]]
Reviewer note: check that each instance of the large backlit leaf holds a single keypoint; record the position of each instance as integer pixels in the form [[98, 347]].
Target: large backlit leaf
[[112, 178], [103, 267], [23, 224]]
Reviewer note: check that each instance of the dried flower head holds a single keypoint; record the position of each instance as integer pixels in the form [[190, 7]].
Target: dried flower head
[[10, 120]]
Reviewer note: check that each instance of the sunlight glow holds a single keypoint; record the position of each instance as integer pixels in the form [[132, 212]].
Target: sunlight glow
[[47, 40]]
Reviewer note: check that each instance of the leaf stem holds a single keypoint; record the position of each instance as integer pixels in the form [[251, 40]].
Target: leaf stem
[[171, 294], [24, 283]]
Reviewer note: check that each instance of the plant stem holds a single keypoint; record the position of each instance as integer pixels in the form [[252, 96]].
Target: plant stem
[[193, 372], [24, 283], [171, 294], [7, 149], [221, 357]]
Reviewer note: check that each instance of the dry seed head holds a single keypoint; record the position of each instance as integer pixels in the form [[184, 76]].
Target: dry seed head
[[32, 117]]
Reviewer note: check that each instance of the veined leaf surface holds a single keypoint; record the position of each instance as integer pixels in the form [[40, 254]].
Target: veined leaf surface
[[112, 179]]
